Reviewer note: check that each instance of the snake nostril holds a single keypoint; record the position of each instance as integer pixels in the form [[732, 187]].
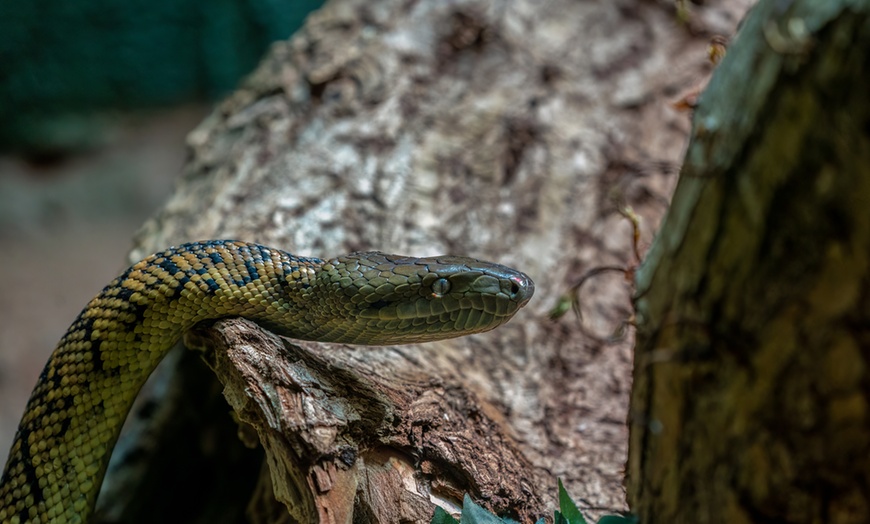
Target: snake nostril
[[521, 288]]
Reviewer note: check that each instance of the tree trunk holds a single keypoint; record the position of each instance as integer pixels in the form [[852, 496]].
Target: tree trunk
[[750, 400], [510, 131]]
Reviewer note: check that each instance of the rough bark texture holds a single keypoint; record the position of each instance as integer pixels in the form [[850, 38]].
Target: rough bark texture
[[343, 439], [511, 131], [751, 396]]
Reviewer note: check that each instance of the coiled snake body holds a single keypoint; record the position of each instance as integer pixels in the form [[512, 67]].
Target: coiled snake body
[[62, 447]]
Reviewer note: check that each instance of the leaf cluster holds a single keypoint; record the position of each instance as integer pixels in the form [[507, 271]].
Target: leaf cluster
[[566, 514]]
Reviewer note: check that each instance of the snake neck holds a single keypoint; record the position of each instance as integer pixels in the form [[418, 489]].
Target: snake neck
[[86, 389]]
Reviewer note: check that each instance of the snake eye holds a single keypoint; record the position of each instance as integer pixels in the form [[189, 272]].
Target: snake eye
[[440, 287]]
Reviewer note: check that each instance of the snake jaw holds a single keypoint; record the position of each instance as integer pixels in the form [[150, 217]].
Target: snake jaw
[[402, 299]]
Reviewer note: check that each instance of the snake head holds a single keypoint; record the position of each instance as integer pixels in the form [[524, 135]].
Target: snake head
[[380, 299]]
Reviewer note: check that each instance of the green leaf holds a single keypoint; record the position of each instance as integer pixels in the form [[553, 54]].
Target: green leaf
[[568, 508], [558, 518], [563, 305], [442, 517], [474, 514]]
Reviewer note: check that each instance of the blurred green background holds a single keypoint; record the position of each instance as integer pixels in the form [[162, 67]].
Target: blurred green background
[[96, 98], [62, 61]]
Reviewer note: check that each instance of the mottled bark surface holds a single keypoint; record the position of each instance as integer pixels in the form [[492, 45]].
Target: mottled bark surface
[[751, 380], [346, 441], [510, 131]]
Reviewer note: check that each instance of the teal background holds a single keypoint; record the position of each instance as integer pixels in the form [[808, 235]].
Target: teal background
[[63, 60]]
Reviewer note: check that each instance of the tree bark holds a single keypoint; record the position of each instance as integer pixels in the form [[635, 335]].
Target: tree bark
[[751, 386], [347, 438], [510, 131]]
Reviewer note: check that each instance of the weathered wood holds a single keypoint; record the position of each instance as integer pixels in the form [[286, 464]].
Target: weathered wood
[[511, 131], [344, 435], [750, 399]]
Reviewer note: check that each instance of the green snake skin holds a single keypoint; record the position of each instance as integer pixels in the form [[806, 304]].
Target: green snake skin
[[62, 447]]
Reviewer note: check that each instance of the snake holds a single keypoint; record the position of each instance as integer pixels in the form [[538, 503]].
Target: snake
[[65, 438]]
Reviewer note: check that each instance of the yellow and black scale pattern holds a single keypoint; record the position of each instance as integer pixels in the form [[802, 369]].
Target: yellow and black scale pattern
[[62, 447]]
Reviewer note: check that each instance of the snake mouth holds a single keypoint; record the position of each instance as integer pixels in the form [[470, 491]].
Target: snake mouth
[[381, 299], [467, 302]]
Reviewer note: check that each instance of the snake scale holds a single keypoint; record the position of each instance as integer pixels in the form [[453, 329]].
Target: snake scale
[[62, 447]]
